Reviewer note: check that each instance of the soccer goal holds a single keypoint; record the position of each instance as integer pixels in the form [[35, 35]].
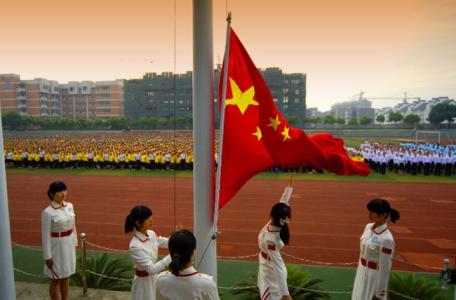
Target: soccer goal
[[427, 136]]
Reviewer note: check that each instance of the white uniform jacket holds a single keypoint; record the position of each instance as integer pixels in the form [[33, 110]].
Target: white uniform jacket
[[144, 254], [189, 285], [377, 250], [272, 273], [59, 239]]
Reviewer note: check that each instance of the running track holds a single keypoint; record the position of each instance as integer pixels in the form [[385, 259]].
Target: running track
[[328, 216]]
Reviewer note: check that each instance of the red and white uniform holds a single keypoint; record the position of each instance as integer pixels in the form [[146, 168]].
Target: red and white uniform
[[272, 273], [189, 285], [59, 239], [144, 254], [377, 250]]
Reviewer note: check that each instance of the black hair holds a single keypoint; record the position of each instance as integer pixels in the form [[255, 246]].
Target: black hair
[[55, 187], [181, 245], [138, 213], [280, 211], [381, 206]]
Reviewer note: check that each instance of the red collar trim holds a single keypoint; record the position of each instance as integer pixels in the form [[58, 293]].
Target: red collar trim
[[141, 240], [57, 207], [271, 230], [187, 275], [373, 230]]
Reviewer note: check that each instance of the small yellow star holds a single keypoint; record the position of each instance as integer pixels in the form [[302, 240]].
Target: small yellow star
[[257, 133], [274, 123], [240, 98], [286, 134]]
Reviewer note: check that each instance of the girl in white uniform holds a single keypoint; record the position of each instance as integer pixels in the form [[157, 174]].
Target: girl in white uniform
[[59, 239], [144, 252], [377, 250], [272, 273], [183, 282]]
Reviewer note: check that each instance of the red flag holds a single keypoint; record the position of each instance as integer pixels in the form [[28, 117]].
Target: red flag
[[257, 137]]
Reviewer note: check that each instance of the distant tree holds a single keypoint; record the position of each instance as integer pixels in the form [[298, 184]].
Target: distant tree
[[340, 121], [365, 120], [118, 123], [353, 122], [442, 112], [329, 119], [13, 121], [293, 120], [163, 122], [317, 120], [395, 117], [412, 119], [380, 118]]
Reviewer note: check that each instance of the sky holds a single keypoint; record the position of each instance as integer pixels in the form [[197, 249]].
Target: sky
[[381, 47]]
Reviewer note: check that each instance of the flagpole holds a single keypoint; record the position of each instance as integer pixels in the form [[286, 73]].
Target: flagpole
[[222, 122], [203, 137], [7, 287]]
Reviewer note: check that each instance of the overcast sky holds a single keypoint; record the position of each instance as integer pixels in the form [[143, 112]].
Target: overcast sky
[[381, 47]]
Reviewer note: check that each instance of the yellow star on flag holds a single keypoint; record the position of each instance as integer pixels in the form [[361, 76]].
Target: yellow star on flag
[[240, 98], [286, 134], [257, 133], [274, 123]]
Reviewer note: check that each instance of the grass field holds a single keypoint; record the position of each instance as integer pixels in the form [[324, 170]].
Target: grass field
[[335, 279], [373, 177]]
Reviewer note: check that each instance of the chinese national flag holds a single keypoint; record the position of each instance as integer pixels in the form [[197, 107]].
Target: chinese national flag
[[257, 137]]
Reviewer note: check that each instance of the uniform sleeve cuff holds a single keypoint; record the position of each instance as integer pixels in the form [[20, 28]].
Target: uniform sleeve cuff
[[167, 260]]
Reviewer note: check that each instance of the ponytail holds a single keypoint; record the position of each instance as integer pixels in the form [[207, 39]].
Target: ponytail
[[129, 224], [280, 214], [394, 215], [138, 213], [285, 234], [181, 245], [176, 264]]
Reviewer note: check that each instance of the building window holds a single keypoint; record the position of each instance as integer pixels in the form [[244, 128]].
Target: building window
[[296, 92], [150, 93], [285, 90], [296, 100], [105, 110], [275, 100], [295, 81], [285, 99], [285, 107]]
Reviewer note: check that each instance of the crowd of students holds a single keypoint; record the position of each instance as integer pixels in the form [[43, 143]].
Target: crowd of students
[[409, 158], [136, 150], [173, 151]]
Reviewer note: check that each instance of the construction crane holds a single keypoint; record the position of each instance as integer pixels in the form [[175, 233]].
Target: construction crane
[[405, 98], [361, 94]]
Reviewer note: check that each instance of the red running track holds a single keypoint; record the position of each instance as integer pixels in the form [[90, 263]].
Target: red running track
[[328, 216]]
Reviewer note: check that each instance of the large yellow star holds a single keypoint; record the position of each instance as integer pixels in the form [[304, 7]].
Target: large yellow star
[[257, 133], [241, 99], [286, 134], [274, 123]]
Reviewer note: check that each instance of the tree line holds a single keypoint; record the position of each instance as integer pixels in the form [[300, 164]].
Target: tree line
[[14, 121]]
